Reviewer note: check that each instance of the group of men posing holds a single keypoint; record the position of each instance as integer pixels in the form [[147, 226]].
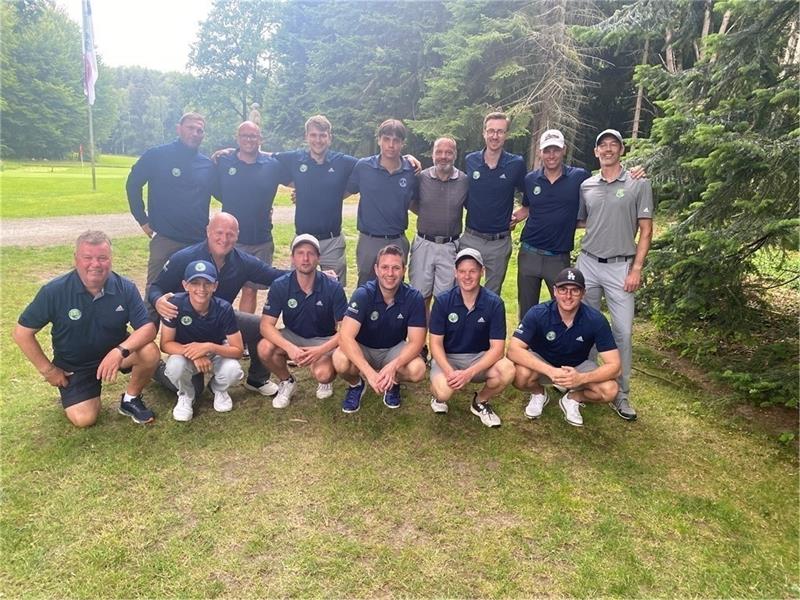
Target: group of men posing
[[198, 266]]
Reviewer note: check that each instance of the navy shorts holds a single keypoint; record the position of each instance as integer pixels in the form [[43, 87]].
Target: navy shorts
[[83, 385]]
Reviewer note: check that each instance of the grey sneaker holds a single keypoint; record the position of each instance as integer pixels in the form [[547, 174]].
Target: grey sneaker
[[623, 408]]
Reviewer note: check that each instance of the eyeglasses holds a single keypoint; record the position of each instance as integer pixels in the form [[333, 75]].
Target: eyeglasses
[[495, 131], [249, 137], [569, 291]]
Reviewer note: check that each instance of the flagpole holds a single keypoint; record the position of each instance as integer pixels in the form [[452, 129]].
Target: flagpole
[[91, 146], [89, 75]]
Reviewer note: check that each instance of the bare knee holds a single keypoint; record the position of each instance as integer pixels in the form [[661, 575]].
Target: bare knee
[[608, 390], [415, 370], [84, 414], [323, 371], [340, 362], [524, 379], [440, 389], [502, 373]]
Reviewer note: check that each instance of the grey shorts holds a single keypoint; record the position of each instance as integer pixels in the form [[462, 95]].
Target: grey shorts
[[305, 342], [432, 266], [460, 362], [378, 357], [586, 366], [263, 251]]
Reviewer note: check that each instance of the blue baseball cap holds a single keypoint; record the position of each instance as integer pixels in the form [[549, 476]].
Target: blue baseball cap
[[200, 268]]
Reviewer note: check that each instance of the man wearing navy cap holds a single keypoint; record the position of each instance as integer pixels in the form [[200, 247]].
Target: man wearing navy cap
[[248, 180], [614, 207], [467, 340], [202, 338], [234, 268], [386, 183], [312, 306], [179, 182], [494, 176], [382, 334], [552, 345], [90, 308]]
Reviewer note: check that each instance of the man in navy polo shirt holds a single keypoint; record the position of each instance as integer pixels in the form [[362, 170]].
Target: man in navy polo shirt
[[179, 181], [382, 334], [494, 175], [312, 306], [320, 178], [467, 339], [202, 338], [248, 181], [234, 268], [552, 346], [90, 308], [386, 183]]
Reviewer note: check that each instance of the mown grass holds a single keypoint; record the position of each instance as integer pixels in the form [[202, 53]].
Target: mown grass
[[308, 501], [55, 189]]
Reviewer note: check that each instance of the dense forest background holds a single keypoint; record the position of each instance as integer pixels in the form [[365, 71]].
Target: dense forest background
[[705, 90]]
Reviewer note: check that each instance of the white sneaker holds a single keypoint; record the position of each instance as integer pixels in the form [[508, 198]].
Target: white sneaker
[[267, 389], [324, 390], [222, 402], [484, 412], [572, 410], [438, 407], [284, 395], [183, 410], [536, 405]]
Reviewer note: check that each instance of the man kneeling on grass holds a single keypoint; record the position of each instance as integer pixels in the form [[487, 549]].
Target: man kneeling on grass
[[202, 338], [552, 346], [312, 306], [468, 336], [382, 334], [90, 308]]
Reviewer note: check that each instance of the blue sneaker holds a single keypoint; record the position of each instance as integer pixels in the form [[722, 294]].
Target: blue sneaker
[[136, 410], [352, 398], [391, 397]]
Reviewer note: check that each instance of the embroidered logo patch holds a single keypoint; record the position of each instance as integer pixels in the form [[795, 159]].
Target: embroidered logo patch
[[620, 193], [176, 172], [476, 175], [186, 320], [74, 314], [537, 190], [303, 168], [551, 335], [292, 303], [452, 317], [232, 171], [403, 182], [374, 316]]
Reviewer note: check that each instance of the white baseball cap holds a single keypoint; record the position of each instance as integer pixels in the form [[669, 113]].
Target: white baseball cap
[[612, 132], [469, 253], [551, 137], [305, 238]]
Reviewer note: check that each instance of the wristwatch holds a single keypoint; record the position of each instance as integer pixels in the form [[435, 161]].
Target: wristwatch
[[124, 351]]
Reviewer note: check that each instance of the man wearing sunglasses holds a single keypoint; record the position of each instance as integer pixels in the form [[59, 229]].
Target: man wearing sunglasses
[[551, 347]]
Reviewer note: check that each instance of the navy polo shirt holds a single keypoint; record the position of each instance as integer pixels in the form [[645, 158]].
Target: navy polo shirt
[[190, 326], [545, 333], [553, 209], [320, 189], [85, 328], [468, 331], [385, 197], [490, 201], [247, 191], [309, 316], [385, 326], [239, 267], [180, 182]]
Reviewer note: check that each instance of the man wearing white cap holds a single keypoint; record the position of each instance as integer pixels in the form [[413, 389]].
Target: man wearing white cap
[[613, 208], [312, 306], [468, 338]]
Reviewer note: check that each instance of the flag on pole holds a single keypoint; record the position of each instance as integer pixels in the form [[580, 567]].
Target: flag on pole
[[89, 55]]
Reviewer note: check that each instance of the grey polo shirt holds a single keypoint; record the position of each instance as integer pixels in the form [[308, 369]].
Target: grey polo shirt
[[612, 210], [441, 203]]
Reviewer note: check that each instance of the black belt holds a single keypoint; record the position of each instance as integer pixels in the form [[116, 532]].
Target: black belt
[[393, 236], [438, 239], [610, 259], [489, 237], [326, 236]]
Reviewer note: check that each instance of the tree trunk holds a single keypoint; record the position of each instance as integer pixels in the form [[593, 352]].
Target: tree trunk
[[669, 52], [700, 48], [637, 113]]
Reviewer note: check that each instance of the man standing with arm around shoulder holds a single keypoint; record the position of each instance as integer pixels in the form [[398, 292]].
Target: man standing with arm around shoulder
[[468, 337], [382, 334], [613, 208], [312, 305], [90, 308], [179, 181], [552, 345]]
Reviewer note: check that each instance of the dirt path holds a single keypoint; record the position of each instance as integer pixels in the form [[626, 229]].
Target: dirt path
[[52, 231]]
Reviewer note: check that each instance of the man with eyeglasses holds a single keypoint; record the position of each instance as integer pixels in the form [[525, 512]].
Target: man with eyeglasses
[[613, 208], [494, 176], [248, 180], [552, 344]]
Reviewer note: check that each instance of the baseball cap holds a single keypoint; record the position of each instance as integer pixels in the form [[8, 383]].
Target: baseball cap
[[611, 132], [305, 238], [570, 276], [551, 137], [469, 253], [200, 268]]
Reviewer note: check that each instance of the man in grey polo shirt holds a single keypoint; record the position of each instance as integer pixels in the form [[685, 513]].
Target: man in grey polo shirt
[[441, 193], [613, 207]]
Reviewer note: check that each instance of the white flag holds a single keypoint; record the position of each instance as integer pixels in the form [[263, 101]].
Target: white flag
[[89, 55]]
